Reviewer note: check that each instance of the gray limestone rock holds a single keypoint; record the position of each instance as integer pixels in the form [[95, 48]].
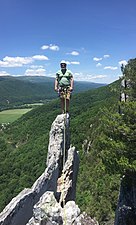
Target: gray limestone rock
[[56, 140], [126, 209], [17, 211], [46, 211], [67, 181], [20, 209], [49, 211]]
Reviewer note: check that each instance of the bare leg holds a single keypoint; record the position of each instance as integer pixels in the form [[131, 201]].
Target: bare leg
[[62, 105]]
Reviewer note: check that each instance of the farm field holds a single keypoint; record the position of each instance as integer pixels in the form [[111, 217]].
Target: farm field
[[9, 116]]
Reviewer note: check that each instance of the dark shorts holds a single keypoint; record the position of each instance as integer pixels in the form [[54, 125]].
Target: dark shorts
[[65, 93]]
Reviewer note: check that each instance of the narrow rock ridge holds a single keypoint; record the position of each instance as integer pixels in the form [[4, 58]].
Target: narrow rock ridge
[[20, 209], [126, 209]]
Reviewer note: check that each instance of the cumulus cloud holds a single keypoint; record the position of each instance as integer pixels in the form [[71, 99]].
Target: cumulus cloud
[[124, 62], [73, 53], [35, 72], [44, 47], [50, 47], [15, 61], [54, 47], [36, 66], [75, 63], [4, 73], [88, 77], [106, 56], [72, 62], [110, 68], [98, 64], [98, 76], [97, 59], [40, 57], [20, 61]]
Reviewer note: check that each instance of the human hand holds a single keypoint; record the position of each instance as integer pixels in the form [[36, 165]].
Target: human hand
[[71, 89], [56, 89]]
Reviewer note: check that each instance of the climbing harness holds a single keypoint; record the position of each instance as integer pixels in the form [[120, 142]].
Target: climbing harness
[[64, 93]]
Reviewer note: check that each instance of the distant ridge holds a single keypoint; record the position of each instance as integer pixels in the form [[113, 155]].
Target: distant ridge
[[29, 89]]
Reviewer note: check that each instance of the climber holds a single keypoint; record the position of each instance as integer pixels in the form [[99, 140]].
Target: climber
[[64, 85]]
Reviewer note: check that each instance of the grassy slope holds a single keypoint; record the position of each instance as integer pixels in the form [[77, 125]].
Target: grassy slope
[[24, 149], [9, 116]]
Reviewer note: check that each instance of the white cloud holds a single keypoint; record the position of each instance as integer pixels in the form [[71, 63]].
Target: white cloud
[[44, 47], [50, 47], [98, 64], [106, 56], [54, 47], [75, 63], [124, 62], [110, 68], [20, 61], [72, 62], [98, 76], [4, 73], [35, 72], [36, 66], [40, 57], [15, 61], [97, 59], [73, 53], [88, 77]]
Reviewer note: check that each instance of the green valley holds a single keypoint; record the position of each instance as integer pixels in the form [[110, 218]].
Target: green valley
[[17, 91]]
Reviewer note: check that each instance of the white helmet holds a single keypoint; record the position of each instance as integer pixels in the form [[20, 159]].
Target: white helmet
[[63, 62]]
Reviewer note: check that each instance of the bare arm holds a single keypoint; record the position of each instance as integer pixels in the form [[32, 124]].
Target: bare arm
[[56, 85], [71, 83]]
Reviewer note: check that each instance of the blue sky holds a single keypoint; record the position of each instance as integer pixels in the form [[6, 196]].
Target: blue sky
[[94, 37]]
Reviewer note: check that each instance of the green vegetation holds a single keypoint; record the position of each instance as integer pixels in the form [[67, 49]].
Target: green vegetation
[[26, 142], [104, 138], [18, 91], [15, 92], [8, 116]]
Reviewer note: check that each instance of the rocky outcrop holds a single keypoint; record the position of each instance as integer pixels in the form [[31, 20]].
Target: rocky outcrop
[[59, 176], [49, 212], [126, 209]]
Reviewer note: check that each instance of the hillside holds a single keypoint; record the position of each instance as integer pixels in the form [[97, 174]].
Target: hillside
[[24, 148], [16, 91]]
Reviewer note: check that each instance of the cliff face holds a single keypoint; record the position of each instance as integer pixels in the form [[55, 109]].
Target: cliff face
[[20, 209], [126, 209], [51, 199]]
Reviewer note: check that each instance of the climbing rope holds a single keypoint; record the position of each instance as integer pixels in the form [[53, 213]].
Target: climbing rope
[[64, 155]]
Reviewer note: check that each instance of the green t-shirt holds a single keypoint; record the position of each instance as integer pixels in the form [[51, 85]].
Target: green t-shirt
[[64, 79]]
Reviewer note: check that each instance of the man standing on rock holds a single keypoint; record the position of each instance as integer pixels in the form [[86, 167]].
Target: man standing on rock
[[64, 85]]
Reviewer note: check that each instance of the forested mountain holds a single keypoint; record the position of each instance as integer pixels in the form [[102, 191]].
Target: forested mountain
[[16, 91], [104, 138], [24, 143]]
